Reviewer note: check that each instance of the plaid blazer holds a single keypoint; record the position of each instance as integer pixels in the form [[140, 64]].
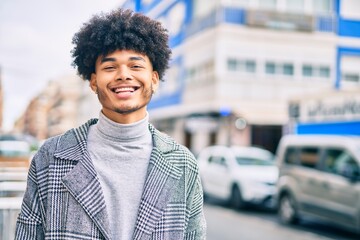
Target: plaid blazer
[[64, 200]]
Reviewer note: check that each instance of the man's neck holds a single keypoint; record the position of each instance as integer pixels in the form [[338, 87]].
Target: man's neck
[[122, 132], [125, 118]]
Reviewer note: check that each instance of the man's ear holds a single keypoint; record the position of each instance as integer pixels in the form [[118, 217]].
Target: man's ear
[[155, 81], [93, 84]]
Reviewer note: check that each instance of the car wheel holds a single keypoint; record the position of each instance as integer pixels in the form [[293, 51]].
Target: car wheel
[[236, 200], [287, 210]]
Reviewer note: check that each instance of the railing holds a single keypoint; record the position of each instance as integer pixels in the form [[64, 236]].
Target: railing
[[9, 210], [12, 188], [326, 24], [240, 16]]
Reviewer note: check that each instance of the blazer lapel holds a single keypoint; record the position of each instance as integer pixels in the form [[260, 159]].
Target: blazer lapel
[[82, 182], [84, 186], [161, 178]]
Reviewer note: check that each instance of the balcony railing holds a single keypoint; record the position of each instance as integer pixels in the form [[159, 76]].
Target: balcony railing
[[263, 19], [12, 188]]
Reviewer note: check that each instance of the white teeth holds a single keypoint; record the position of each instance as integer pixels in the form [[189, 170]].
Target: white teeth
[[124, 89]]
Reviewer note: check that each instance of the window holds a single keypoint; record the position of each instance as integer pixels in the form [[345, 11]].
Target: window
[[270, 68], [288, 69], [330, 159], [191, 73], [350, 9], [202, 72], [322, 6], [351, 77], [309, 157], [291, 156], [295, 5], [345, 165], [350, 71], [232, 64], [324, 72], [280, 68], [250, 66], [208, 71], [239, 3], [307, 71], [218, 160], [267, 4]]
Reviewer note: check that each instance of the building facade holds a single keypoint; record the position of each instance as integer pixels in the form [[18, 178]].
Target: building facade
[[65, 103], [336, 111], [333, 112], [236, 64]]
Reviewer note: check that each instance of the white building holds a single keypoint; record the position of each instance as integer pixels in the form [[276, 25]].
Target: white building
[[237, 63]]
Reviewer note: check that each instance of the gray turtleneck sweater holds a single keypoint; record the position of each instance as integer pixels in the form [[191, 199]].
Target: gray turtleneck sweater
[[121, 154]]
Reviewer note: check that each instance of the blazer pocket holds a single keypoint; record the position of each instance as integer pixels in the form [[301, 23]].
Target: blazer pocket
[[173, 218], [78, 223]]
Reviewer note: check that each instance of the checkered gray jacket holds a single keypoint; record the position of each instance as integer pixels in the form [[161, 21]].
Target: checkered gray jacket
[[64, 200]]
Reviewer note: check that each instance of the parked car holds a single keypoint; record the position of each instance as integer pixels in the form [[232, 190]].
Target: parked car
[[238, 175], [319, 176], [14, 153]]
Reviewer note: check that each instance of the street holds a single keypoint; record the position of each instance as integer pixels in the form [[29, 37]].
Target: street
[[227, 224]]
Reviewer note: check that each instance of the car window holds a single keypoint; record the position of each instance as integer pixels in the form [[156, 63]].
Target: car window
[[346, 165], [217, 160], [14, 149], [291, 156], [309, 156], [253, 161], [330, 158]]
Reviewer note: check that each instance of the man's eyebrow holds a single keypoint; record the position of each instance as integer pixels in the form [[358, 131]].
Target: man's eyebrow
[[137, 59], [110, 59], [107, 59]]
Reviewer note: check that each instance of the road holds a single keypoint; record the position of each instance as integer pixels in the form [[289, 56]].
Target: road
[[254, 224]]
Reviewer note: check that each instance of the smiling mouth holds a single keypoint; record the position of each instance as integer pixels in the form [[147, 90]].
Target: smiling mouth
[[124, 89]]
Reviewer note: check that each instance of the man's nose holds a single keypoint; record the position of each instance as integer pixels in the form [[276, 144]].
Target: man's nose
[[123, 73]]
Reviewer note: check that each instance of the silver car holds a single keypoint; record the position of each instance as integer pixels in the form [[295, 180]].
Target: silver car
[[238, 175], [319, 176]]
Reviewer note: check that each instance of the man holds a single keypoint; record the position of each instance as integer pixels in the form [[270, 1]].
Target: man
[[115, 177]]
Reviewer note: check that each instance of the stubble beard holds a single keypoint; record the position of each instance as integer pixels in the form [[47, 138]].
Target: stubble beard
[[146, 94]]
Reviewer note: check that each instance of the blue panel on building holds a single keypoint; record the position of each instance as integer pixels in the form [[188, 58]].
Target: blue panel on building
[[234, 15], [165, 101], [349, 28], [325, 24], [341, 128]]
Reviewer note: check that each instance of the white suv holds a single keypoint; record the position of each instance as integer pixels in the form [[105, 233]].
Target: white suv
[[239, 175], [319, 176]]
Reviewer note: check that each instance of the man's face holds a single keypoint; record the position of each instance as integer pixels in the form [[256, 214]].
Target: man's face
[[124, 81]]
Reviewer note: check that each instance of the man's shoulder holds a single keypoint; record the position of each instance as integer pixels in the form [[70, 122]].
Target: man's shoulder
[[165, 142], [67, 139], [175, 151]]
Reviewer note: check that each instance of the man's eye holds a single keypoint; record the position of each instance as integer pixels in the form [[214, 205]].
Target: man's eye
[[136, 66], [109, 68]]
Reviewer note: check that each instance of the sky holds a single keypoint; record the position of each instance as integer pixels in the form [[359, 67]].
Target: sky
[[35, 46]]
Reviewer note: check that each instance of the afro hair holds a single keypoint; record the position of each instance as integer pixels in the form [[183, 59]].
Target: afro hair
[[120, 30]]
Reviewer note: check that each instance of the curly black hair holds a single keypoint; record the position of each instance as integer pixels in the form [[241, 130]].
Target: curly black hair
[[120, 30]]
